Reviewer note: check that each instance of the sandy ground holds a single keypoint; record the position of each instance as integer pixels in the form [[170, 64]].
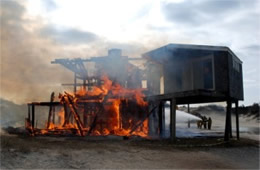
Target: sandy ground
[[194, 149], [114, 152]]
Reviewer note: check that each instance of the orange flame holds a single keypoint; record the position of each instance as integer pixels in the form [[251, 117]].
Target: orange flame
[[112, 119]]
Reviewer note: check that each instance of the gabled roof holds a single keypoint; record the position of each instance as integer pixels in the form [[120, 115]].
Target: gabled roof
[[171, 47]]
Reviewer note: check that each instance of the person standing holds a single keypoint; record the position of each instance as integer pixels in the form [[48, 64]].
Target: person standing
[[209, 123], [204, 122]]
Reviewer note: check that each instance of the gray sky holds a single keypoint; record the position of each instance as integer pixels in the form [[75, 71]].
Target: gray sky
[[34, 32]]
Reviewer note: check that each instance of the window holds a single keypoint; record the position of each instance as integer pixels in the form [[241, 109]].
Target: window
[[207, 74], [203, 73], [179, 79]]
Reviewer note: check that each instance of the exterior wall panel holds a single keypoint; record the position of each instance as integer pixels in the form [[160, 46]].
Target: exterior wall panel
[[235, 78]]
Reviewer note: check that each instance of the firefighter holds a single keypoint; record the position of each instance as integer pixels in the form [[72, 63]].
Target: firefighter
[[209, 123], [204, 119], [199, 124]]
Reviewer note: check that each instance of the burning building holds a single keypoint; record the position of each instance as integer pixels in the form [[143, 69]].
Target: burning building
[[107, 100], [110, 100]]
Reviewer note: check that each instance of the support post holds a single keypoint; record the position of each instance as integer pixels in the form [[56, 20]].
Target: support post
[[230, 121], [50, 110], [163, 117], [173, 119], [33, 116], [188, 108], [237, 120], [160, 112], [84, 84], [228, 118]]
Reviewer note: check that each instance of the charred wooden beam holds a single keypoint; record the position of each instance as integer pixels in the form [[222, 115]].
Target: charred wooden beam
[[72, 84], [45, 103], [69, 101], [33, 116], [59, 104], [50, 110], [142, 121], [53, 115], [75, 65], [93, 125]]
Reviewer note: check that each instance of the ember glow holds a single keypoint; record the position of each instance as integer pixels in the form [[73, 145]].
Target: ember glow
[[105, 109]]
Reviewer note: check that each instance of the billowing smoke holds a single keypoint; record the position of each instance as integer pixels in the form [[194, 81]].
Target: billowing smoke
[[26, 73], [28, 45]]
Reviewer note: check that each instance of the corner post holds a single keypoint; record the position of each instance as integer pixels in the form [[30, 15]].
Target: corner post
[[228, 121], [231, 136], [160, 112], [237, 120], [173, 119]]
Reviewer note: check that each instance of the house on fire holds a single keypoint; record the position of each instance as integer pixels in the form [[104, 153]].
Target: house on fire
[[188, 74], [109, 100], [181, 74]]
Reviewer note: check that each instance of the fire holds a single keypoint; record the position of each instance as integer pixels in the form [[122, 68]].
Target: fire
[[104, 109]]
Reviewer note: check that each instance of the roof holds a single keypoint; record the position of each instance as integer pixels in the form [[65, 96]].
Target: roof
[[170, 47]]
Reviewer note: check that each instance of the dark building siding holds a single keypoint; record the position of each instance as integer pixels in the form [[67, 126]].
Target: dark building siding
[[153, 78], [235, 79], [175, 63], [221, 70]]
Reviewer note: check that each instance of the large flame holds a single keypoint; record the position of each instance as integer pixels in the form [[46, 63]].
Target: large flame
[[120, 111]]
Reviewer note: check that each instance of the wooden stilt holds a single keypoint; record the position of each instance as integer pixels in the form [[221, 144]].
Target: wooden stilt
[[53, 115], [160, 112], [230, 133], [173, 119], [228, 118], [50, 110], [163, 117], [237, 120]]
